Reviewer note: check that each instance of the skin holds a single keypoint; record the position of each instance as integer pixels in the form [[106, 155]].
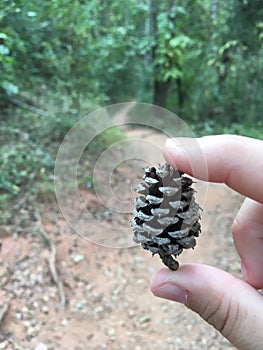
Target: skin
[[233, 306]]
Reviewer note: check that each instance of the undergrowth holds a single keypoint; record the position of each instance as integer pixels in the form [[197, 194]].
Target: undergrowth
[[28, 147]]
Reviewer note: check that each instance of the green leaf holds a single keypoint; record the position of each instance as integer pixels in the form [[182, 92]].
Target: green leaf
[[31, 13], [10, 88], [4, 50], [3, 36], [180, 40]]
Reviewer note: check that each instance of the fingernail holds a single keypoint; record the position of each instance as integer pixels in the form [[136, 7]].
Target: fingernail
[[171, 292], [172, 151]]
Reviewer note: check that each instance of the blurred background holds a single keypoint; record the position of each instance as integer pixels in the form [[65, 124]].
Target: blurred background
[[60, 60]]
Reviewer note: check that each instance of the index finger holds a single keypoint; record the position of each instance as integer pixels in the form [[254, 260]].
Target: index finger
[[234, 160]]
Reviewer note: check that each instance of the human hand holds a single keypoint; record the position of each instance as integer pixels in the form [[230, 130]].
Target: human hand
[[233, 306]]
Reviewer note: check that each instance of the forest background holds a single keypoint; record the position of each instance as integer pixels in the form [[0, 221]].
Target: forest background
[[61, 59]]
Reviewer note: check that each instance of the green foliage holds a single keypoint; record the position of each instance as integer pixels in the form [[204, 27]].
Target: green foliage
[[28, 152], [255, 131], [172, 42], [7, 85], [22, 162], [205, 57], [213, 128]]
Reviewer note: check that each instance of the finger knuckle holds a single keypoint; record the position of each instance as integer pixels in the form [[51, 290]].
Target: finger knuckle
[[223, 316]]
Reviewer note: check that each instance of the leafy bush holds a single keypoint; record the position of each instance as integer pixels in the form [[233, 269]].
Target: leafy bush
[[211, 128], [28, 151], [23, 163], [104, 140]]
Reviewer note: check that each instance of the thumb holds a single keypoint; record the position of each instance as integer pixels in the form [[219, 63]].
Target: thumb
[[229, 304]]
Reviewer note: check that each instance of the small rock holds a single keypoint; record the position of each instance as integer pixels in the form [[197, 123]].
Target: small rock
[[64, 322], [131, 313], [98, 309], [111, 332], [138, 259], [45, 309], [27, 324], [140, 281], [41, 346], [33, 323], [76, 258], [3, 345], [35, 305], [19, 316], [26, 272], [21, 265], [33, 278], [45, 298], [80, 305], [151, 270], [31, 332], [25, 310], [143, 319]]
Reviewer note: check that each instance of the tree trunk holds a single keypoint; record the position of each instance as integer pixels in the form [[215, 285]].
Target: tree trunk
[[180, 93], [153, 25], [160, 92], [214, 10]]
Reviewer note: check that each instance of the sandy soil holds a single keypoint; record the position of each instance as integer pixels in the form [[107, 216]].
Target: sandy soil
[[108, 301]]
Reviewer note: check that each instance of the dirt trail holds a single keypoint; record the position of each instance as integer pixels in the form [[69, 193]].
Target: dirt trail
[[109, 302]]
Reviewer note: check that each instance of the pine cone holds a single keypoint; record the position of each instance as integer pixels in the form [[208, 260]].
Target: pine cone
[[166, 216]]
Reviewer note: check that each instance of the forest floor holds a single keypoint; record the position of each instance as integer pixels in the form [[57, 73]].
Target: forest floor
[[101, 299]]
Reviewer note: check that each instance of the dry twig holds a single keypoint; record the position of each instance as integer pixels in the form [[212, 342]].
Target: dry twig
[[55, 276], [28, 107], [3, 311], [52, 260], [16, 346]]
